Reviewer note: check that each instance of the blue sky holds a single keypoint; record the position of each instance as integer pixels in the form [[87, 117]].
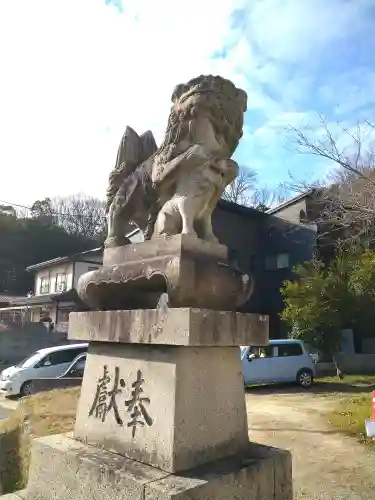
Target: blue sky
[[76, 72]]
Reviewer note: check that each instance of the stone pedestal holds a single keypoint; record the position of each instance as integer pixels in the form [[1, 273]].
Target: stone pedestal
[[178, 401], [162, 413]]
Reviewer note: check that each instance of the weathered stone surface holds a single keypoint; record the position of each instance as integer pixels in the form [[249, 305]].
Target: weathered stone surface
[[192, 272], [64, 469], [195, 403], [175, 188], [17, 495], [189, 327], [164, 247], [283, 475], [246, 476]]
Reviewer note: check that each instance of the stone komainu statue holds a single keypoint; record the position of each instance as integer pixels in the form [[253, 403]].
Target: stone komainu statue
[[175, 188]]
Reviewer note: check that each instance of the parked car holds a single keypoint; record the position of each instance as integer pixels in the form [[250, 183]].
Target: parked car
[[45, 363], [72, 377], [281, 361]]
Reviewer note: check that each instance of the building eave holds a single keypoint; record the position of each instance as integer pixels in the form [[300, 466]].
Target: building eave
[[49, 298], [290, 202], [230, 206], [77, 257]]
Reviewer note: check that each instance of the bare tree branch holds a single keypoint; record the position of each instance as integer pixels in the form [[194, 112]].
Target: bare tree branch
[[80, 214], [327, 148], [345, 202], [265, 198], [241, 189]]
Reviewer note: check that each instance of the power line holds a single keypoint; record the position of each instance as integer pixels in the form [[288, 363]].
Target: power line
[[61, 214], [14, 204]]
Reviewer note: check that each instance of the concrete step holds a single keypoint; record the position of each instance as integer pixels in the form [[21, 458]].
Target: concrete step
[[18, 495]]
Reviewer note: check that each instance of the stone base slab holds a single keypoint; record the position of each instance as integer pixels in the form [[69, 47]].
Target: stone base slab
[[184, 326], [172, 407], [65, 469]]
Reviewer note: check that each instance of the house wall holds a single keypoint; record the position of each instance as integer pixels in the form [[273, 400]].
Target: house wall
[[83, 267], [292, 213], [254, 236], [50, 273], [240, 232], [35, 313], [280, 236], [66, 268], [58, 312], [72, 272]]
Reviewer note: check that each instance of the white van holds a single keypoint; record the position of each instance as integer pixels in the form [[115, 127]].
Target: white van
[[45, 363], [281, 361]]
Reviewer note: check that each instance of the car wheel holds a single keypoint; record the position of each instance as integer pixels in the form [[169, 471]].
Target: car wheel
[[26, 388], [305, 378]]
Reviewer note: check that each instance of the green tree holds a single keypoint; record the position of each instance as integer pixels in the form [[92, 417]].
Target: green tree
[[325, 299], [43, 211], [26, 241]]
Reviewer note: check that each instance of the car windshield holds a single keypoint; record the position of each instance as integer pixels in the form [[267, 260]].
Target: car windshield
[[78, 365], [29, 361]]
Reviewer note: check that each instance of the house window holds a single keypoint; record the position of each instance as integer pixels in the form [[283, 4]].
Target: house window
[[44, 286], [282, 260], [278, 261], [60, 283], [92, 268]]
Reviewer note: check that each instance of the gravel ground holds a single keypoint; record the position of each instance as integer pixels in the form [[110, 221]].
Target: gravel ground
[[327, 465]]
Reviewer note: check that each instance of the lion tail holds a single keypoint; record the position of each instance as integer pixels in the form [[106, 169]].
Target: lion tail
[[133, 150]]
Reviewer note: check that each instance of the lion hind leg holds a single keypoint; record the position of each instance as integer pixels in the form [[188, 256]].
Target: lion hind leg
[[116, 229], [206, 232], [168, 221], [188, 208]]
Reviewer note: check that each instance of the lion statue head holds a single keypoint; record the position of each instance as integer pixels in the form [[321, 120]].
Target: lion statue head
[[202, 106]]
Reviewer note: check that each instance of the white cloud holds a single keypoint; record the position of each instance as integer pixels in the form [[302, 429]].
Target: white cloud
[[350, 91], [291, 31], [295, 48], [76, 72], [289, 42]]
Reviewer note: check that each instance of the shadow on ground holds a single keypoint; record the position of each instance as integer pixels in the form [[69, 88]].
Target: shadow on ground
[[316, 388]]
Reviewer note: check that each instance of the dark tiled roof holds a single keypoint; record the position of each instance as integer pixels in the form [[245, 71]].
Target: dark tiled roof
[[69, 295], [10, 298], [229, 206]]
